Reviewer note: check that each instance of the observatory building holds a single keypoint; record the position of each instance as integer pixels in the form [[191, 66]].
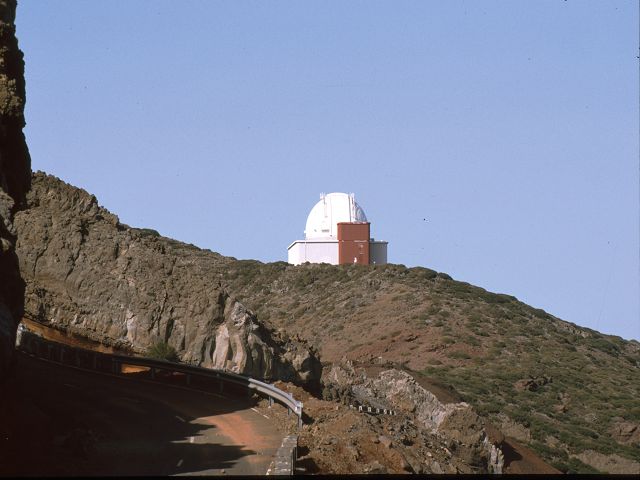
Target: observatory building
[[337, 232]]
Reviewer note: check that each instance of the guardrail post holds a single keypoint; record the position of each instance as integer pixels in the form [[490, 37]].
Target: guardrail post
[[299, 413], [270, 402], [116, 367], [153, 373], [61, 354]]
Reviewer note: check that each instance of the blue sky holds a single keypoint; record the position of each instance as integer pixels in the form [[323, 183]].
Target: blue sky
[[495, 141]]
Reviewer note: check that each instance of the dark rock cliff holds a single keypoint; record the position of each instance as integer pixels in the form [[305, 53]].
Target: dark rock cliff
[[15, 171], [89, 274]]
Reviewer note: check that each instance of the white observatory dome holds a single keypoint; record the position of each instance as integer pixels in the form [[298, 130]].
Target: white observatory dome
[[332, 209]]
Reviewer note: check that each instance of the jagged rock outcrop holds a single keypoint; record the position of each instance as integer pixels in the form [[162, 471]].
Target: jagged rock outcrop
[[89, 274], [395, 389], [15, 169]]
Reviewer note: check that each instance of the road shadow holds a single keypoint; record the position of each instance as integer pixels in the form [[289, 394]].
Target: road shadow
[[60, 421]]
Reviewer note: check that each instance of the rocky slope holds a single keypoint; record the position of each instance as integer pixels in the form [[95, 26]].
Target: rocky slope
[[15, 170], [569, 393], [426, 434], [558, 388], [456, 424], [89, 274]]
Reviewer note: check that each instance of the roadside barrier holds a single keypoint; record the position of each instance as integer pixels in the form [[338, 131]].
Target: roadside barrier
[[285, 460], [373, 410], [158, 370]]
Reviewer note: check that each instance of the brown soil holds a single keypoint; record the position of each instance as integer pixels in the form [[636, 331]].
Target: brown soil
[[133, 369], [336, 439], [520, 459], [69, 338]]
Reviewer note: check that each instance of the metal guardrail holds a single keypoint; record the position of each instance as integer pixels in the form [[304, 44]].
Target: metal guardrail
[[373, 410], [111, 363]]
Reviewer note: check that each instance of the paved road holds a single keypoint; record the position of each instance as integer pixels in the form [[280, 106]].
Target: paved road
[[62, 421]]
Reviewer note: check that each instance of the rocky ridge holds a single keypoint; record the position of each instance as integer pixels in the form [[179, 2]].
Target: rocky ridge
[[89, 274], [14, 178], [559, 388]]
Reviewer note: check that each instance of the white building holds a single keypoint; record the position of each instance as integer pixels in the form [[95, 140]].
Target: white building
[[337, 232]]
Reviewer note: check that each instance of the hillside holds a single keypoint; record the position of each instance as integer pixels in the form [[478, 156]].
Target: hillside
[[569, 393], [86, 273], [563, 389]]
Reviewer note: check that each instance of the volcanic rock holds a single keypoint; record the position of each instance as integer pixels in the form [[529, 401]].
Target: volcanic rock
[[455, 422], [15, 168], [89, 274]]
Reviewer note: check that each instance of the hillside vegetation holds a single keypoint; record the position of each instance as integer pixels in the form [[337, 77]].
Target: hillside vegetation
[[563, 389]]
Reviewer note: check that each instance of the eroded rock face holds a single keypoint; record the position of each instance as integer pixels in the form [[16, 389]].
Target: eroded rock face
[[89, 274], [397, 390], [15, 169]]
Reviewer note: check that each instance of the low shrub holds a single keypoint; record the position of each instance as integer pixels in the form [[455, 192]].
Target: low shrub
[[148, 232], [604, 345], [459, 355], [162, 351], [573, 465], [473, 341]]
